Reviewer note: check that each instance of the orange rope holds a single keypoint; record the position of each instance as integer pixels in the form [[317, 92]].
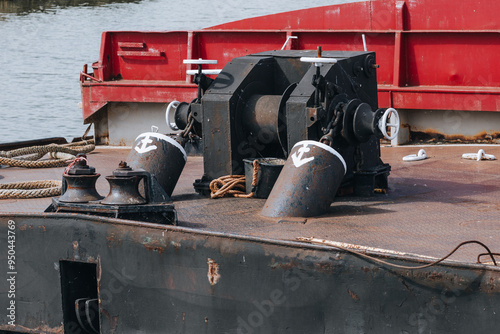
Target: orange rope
[[234, 185]]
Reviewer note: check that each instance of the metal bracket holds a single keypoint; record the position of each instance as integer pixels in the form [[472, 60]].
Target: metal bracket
[[313, 114], [87, 314]]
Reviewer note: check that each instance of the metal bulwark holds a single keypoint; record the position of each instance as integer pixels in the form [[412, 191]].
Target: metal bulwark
[[159, 278]]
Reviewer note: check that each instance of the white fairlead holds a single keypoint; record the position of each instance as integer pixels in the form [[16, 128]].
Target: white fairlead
[[389, 114], [159, 136], [480, 155], [199, 61], [206, 72], [172, 106], [325, 147], [318, 61], [421, 155]]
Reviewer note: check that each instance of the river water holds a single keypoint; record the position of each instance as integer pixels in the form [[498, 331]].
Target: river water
[[44, 44]]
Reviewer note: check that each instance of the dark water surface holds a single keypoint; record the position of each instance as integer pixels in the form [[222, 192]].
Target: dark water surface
[[44, 44]]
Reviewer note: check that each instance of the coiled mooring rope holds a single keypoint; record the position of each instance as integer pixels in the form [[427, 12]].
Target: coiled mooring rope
[[28, 157], [30, 189], [234, 185]]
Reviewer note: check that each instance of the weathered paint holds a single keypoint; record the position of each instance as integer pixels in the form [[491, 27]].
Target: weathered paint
[[39, 329], [213, 271], [261, 285]]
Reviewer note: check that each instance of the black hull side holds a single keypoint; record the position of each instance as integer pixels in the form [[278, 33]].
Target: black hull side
[[165, 279]]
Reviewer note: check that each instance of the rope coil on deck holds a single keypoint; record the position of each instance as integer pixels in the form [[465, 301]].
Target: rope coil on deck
[[234, 185], [28, 157], [30, 189]]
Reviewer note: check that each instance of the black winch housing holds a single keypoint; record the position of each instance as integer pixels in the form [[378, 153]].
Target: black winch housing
[[260, 105]]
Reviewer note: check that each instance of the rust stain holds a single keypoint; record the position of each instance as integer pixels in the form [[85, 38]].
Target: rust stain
[[113, 323], [155, 245], [113, 240], [177, 245], [23, 227], [183, 317], [435, 275], [284, 266], [39, 329], [370, 270], [213, 271], [454, 281], [76, 254], [98, 276], [431, 135], [113, 320], [353, 295], [491, 287], [325, 267], [154, 248], [42, 227]]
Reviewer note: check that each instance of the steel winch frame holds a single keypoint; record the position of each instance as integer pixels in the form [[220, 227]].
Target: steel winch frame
[[260, 105]]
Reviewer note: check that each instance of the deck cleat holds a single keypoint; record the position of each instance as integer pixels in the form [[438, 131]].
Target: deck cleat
[[124, 200]]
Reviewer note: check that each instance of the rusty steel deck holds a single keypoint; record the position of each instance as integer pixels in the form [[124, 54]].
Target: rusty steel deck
[[432, 205]]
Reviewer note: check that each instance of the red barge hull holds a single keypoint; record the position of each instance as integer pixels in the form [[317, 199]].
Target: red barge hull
[[437, 64]]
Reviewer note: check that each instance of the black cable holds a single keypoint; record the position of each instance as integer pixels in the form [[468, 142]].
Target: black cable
[[483, 254], [423, 266]]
